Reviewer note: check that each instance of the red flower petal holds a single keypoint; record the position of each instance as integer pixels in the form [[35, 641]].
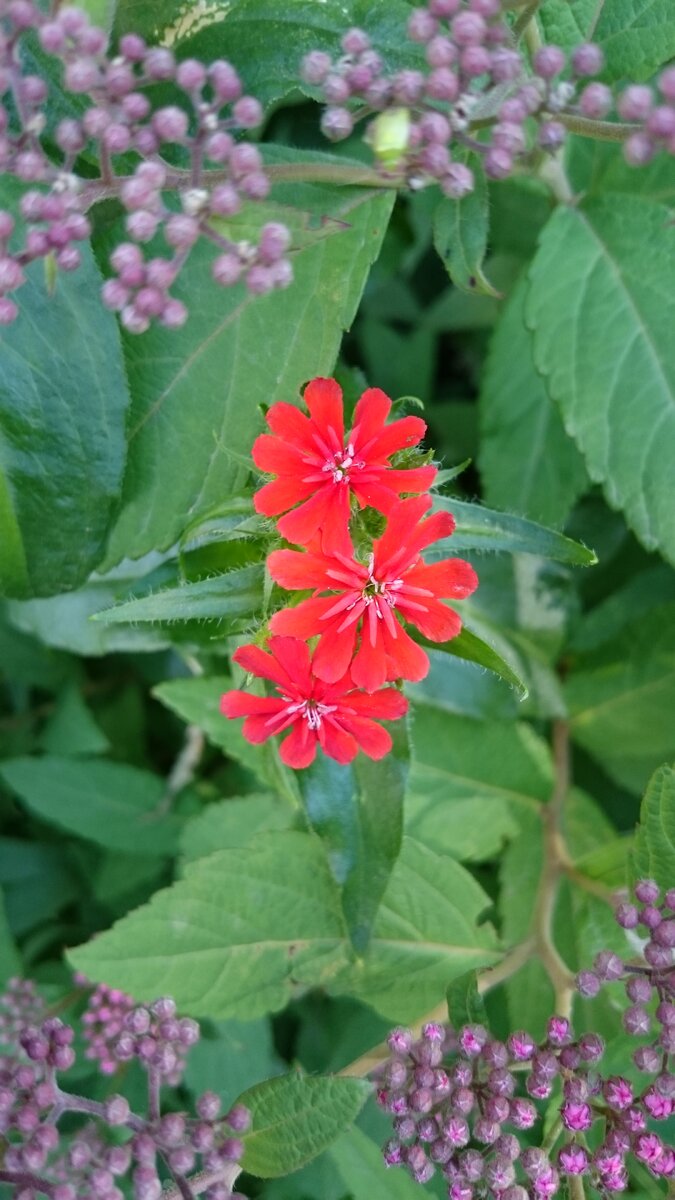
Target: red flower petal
[[369, 668], [387, 705], [259, 662], [301, 525], [334, 652], [338, 743], [370, 414], [438, 623], [277, 457], [292, 426], [404, 519], [304, 620], [335, 529], [415, 479], [293, 655], [374, 493], [257, 729], [372, 738], [298, 750], [406, 659], [452, 578], [280, 494], [244, 704], [296, 571], [323, 398], [400, 435]]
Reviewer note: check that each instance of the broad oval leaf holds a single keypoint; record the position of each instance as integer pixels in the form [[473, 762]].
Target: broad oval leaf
[[653, 854], [602, 309], [527, 461], [234, 937], [637, 36], [63, 399], [460, 232], [197, 391], [295, 1117]]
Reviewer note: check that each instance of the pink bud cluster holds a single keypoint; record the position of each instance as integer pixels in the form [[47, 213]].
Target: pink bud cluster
[[222, 172], [39, 1159], [462, 1102], [472, 77]]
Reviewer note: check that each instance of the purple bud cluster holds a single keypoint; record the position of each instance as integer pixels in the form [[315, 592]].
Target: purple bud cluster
[[39, 1160], [468, 52], [654, 113], [420, 121], [462, 1102], [117, 1030], [225, 171]]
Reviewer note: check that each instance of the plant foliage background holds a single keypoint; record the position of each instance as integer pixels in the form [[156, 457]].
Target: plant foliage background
[[300, 915]]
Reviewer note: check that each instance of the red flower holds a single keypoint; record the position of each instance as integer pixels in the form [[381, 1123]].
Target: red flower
[[333, 716], [318, 469], [396, 580]]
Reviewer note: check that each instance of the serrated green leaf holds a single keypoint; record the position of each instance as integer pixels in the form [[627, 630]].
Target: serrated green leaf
[[238, 593], [234, 937], [527, 461], [465, 1005], [426, 933], [233, 822], [10, 959], [357, 811], [112, 804], [601, 307], [621, 699], [358, 1161], [266, 41], [653, 855], [472, 784], [231, 1056], [460, 233], [637, 36], [63, 398], [295, 1118], [198, 702], [196, 400], [481, 528]]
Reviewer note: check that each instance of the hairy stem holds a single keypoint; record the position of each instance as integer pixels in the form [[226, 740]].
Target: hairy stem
[[512, 962], [554, 855], [24, 1179], [602, 131], [201, 1180]]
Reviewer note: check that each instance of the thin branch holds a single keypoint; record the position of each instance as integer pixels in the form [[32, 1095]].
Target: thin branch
[[603, 131], [24, 1179], [516, 958], [528, 14], [202, 1180], [558, 972]]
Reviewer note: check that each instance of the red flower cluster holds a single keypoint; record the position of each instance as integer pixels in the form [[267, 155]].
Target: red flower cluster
[[334, 696]]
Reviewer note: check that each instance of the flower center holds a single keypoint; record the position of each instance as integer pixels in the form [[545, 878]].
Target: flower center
[[340, 463], [312, 711], [380, 590]]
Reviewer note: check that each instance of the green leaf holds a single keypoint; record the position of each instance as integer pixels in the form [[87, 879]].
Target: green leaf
[[639, 594], [357, 811], [426, 934], [72, 730], [654, 851], [527, 462], [111, 804], [614, 379], [358, 1162], [198, 702], [473, 784], [38, 882], [235, 937], [474, 649], [637, 36], [238, 593], [10, 959], [481, 528], [195, 388], [295, 1118], [233, 822], [266, 41], [465, 1005], [621, 699], [231, 1056], [460, 232], [63, 398]]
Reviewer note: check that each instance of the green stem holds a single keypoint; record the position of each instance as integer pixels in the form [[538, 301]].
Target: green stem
[[602, 131], [554, 855], [528, 14]]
